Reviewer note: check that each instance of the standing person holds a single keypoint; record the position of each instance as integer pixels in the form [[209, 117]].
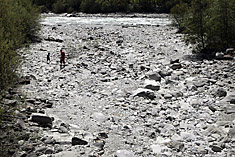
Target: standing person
[[62, 57], [48, 58]]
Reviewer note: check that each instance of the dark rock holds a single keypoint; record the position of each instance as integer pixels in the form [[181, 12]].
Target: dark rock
[[221, 92], [24, 81], [170, 118], [91, 38], [216, 148], [85, 47], [119, 41], [154, 76], [32, 101], [78, 141], [53, 39], [213, 109], [41, 119], [102, 135], [48, 151], [48, 105], [176, 66]]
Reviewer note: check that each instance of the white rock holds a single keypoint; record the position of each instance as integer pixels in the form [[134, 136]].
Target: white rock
[[152, 84], [188, 136], [99, 117], [156, 148], [124, 153]]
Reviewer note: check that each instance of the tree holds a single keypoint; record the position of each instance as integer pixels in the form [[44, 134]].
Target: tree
[[222, 24], [18, 25], [195, 23], [177, 14]]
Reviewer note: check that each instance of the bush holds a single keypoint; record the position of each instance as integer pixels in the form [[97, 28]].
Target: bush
[[177, 14], [18, 25], [208, 25]]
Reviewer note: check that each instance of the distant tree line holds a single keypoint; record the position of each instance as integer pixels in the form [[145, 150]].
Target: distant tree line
[[18, 26], [107, 6], [207, 24]]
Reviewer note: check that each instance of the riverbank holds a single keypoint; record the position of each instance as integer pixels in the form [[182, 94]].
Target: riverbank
[[129, 90]]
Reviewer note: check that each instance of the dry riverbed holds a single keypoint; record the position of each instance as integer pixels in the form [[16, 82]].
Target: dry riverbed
[[127, 90]]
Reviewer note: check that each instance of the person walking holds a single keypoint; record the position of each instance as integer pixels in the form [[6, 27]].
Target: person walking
[[48, 57], [62, 57]]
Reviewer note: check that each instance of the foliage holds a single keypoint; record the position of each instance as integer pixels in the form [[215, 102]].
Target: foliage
[[195, 22], [210, 24], [18, 25], [177, 14], [221, 25], [107, 6]]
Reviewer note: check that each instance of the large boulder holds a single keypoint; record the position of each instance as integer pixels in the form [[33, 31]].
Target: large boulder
[[78, 141], [41, 119]]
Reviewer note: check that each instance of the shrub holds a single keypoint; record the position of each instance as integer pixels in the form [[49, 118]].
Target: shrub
[[207, 24], [18, 25], [177, 14]]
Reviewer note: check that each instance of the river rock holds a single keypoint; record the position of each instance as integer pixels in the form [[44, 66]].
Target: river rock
[[231, 133], [146, 93], [78, 141], [41, 119], [230, 51], [219, 55], [174, 60], [151, 84], [200, 82], [176, 66], [99, 117], [124, 153], [154, 76], [221, 92], [216, 148], [230, 98]]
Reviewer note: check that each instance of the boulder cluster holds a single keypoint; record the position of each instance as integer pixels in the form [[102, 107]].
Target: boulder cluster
[[127, 91]]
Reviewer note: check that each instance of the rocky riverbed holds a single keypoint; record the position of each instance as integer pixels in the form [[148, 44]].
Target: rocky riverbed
[[127, 90]]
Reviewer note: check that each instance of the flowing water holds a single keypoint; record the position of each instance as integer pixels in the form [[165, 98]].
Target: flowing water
[[113, 21]]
